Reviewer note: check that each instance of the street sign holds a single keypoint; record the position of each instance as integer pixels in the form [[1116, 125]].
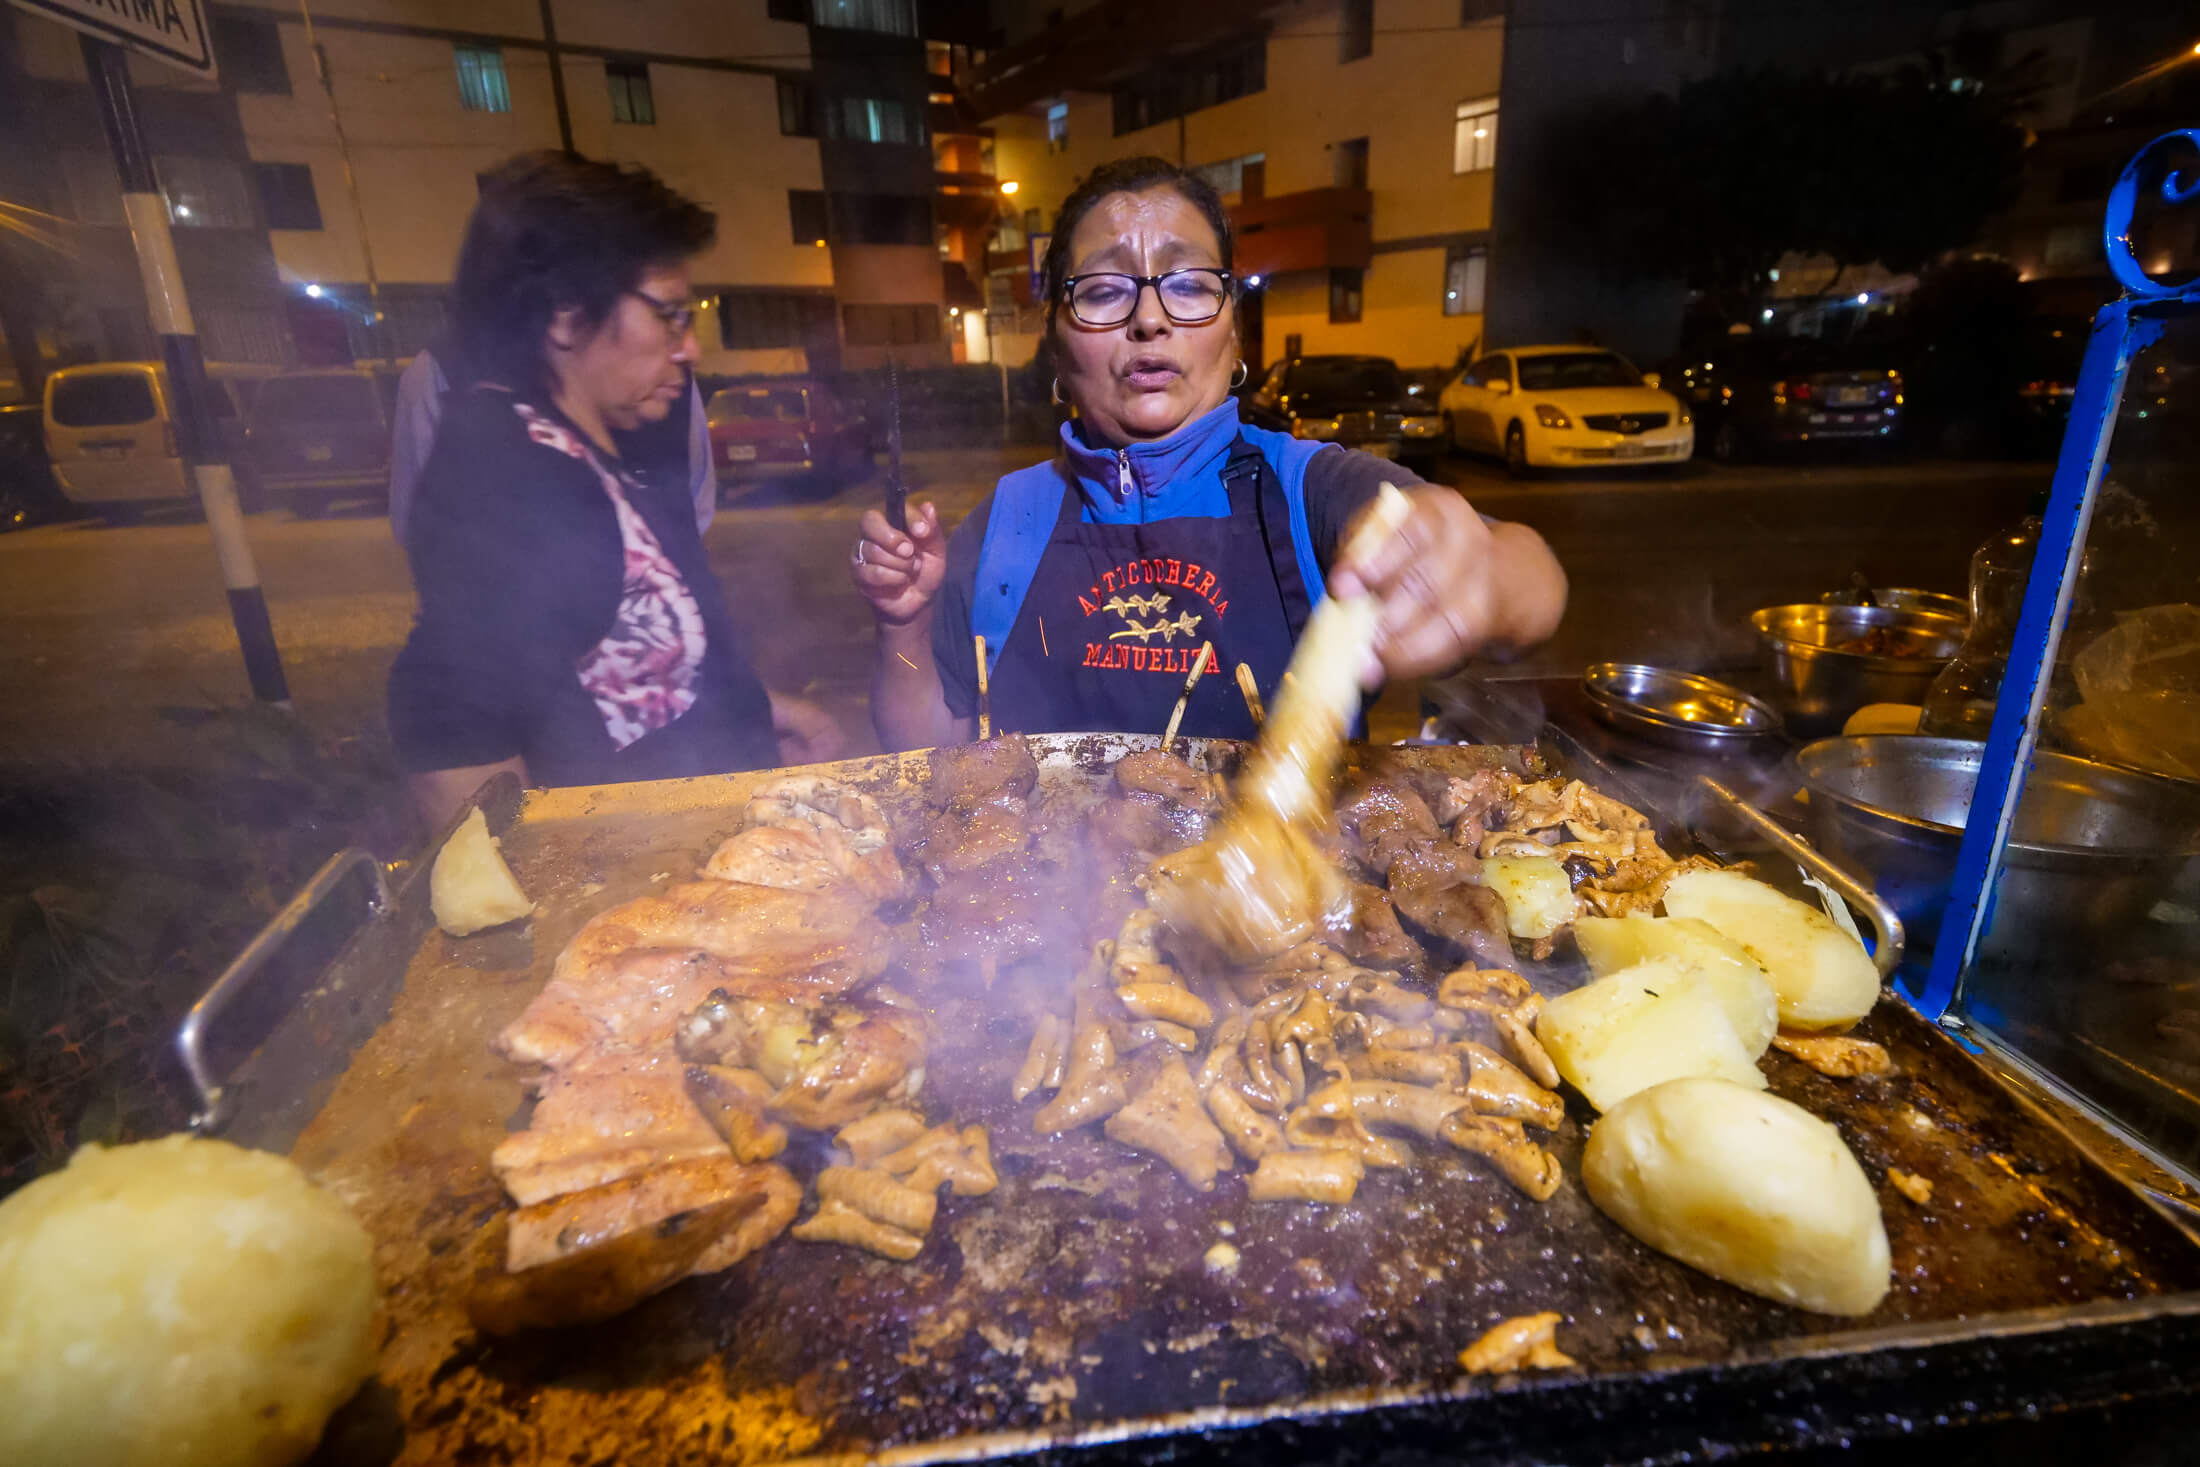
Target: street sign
[[171, 31]]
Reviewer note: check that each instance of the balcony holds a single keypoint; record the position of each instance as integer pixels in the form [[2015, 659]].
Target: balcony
[[1102, 44], [1314, 229]]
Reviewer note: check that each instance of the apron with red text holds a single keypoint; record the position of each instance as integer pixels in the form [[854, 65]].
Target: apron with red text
[[1115, 615]]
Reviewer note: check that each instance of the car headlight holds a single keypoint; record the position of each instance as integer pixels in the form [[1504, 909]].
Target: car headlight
[[1314, 427], [1423, 427], [1551, 417]]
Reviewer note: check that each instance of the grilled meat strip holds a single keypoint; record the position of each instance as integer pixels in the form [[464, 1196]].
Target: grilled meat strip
[[1433, 881]]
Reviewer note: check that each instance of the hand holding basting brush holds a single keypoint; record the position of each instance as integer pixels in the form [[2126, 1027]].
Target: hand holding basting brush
[[1260, 884]]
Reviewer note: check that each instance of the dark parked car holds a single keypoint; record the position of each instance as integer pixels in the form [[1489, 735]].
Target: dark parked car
[[28, 493], [785, 429], [1752, 395], [1361, 402], [321, 436]]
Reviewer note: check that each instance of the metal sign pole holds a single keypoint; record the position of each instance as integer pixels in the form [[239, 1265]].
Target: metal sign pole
[[200, 441]]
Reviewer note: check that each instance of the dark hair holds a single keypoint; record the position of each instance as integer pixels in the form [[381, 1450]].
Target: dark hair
[[552, 231], [1128, 176]]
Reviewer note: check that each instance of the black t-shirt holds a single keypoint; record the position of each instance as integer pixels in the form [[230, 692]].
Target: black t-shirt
[[1339, 482], [519, 567]]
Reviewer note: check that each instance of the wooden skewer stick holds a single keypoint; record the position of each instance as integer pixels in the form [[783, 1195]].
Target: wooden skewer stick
[[1199, 665], [985, 701], [1251, 690]]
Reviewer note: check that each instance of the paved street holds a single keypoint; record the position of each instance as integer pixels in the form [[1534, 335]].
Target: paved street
[[101, 627]]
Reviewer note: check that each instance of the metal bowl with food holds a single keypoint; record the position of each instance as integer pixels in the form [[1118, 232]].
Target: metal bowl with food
[[1680, 710], [2094, 847], [1828, 661]]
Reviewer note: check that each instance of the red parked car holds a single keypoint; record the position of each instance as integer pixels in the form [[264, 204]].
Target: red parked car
[[785, 429]]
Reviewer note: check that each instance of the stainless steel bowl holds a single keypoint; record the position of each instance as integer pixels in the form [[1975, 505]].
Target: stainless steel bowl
[[1820, 684], [1679, 710], [2093, 850], [1903, 598]]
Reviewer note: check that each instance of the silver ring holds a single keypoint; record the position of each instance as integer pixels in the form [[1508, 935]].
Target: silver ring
[[859, 552]]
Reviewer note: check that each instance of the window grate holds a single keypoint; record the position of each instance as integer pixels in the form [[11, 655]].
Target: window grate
[[481, 83]]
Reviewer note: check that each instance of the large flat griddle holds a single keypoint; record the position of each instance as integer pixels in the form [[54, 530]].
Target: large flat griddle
[[1073, 1312]]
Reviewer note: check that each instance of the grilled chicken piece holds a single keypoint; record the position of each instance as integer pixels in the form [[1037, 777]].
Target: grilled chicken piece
[[594, 1253], [734, 1102], [1167, 1119], [805, 857], [610, 986], [814, 801], [998, 771], [963, 843], [609, 1115], [631, 1000], [1529, 1342], [1834, 1055], [828, 1063]]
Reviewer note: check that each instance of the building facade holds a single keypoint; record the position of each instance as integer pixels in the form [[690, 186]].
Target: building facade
[[1355, 142]]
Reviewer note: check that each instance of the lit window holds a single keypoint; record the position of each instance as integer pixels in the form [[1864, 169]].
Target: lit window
[[1466, 279], [1474, 137], [885, 17], [631, 99], [1058, 127], [481, 83]]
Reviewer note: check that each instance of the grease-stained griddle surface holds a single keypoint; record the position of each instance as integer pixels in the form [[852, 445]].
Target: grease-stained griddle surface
[[1083, 1290]]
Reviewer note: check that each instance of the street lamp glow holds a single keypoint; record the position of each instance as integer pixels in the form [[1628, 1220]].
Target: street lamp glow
[[1252, 282], [1864, 299], [1768, 313], [183, 211], [314, 291], [1010, 185], [954, 310]]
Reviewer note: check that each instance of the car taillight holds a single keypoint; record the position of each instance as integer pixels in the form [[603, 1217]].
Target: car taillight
[[1802, 392]]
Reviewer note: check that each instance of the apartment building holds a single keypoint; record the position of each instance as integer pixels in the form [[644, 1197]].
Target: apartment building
[[321, 190], [1354, 140]]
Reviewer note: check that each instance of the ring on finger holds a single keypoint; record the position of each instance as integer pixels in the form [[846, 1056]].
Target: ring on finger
[[859, 553]]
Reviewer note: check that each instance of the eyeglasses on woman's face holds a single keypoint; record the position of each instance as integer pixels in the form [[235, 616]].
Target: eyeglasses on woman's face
[[678, 316], [1188, 297]]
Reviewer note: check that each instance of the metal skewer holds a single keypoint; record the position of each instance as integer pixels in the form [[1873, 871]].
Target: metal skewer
[[1251, 690], [985, 701], [1199, 665]]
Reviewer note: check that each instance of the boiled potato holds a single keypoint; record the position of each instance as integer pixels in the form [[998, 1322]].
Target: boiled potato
[[1823, 976], [178, 1301], [1748, 1187], [1538, 894], [470, 887], [1615, 943], [1640, 1027]]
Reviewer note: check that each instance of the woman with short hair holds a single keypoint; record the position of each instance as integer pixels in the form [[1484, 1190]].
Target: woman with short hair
[[569, 628], [1165, 522]]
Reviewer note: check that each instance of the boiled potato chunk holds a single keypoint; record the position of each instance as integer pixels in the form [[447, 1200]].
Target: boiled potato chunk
[[1746, 1186], [1823, 976], [1615, 943], [179, 1301], [1654, 1022], [1538, 894], [470, 887]]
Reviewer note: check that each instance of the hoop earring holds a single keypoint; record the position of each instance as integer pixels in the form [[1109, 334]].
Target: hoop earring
[[1239, 377], [1055, 392]]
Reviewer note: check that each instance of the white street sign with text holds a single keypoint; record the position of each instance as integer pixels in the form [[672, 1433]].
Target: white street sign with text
[[173, 31]]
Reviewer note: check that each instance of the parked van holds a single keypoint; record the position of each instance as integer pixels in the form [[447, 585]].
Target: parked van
[[111, 433], [321, 435]]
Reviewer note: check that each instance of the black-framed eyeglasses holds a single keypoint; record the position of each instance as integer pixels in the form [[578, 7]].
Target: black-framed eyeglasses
[[678, 318], [1188, 297]]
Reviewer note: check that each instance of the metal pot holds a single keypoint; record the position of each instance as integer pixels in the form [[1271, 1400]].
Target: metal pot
[[1903, 598], [2093, 850], [1820, 685]]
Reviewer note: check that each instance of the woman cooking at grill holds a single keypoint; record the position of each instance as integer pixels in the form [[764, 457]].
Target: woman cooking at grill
[[1165, 523], [569, 627]]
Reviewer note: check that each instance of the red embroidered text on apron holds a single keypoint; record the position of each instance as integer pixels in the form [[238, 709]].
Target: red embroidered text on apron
[[642, 674]]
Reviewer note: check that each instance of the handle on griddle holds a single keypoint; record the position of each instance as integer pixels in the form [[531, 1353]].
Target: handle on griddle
[[1886, 926], [192, 1035]]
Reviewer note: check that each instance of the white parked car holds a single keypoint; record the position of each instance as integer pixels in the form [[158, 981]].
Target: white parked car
[[1573, 407]]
